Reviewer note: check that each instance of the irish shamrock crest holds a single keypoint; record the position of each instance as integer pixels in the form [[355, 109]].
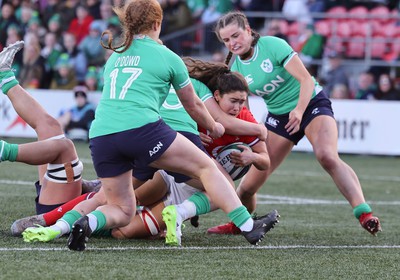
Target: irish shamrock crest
[[266, 66]]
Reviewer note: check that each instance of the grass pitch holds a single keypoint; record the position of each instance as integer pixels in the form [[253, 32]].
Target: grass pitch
[[317, 237]]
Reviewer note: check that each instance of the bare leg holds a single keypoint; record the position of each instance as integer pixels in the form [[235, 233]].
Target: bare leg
[[322, 133]]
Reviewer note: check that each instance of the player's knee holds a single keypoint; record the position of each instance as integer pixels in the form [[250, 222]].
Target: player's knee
[[246, 193], [65, 172], [327, 159], [47, 127]]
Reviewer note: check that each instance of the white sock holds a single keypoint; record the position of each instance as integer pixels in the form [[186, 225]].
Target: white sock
[[248, 225], [186, 210], [92, 221], [61, 226]]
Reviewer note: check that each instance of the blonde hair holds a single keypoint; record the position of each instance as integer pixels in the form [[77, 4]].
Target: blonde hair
[[136, 17]]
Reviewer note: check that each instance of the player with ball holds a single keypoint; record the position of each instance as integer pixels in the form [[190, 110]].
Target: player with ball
[[237, 154]]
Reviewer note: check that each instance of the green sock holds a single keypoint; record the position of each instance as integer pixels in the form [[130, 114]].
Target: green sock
[[7, 81], [239, 216], [202, 203], [71, 217], [101, 220], [8, 151], [362, 208], [103, 233]]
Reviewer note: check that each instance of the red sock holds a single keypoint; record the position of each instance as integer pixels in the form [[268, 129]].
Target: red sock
[[52, 216]]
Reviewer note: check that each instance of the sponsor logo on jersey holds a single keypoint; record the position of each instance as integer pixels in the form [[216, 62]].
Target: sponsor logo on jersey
[[315, 111], [266, 66], [156, 149], [249, 79], [272, 122], [271, 86]]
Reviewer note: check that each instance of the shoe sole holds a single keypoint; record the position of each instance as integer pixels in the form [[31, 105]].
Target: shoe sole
[[372, 226], [77, 238], [169, 218], [22, 224], [12, 50], [36, 235], [273, 220]]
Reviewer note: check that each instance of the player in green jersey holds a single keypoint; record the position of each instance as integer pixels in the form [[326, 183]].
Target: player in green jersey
[[297, 106], [128, 130]]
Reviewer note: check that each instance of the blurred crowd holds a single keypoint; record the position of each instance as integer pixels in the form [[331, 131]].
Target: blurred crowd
[[62, 41], [63, 48]]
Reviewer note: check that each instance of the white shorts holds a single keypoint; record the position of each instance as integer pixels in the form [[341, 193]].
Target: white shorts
[[177, 192]]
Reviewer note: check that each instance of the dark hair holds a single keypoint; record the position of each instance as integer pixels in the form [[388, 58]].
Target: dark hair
[[241, 20], [216, 75], [136, 17]]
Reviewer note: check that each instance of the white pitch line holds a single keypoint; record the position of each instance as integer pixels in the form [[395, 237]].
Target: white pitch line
[[152, 248], [268, 199], [11, 182]]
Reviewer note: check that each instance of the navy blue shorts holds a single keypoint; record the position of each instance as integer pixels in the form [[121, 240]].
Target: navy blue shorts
[[145, 173], [43, 208], [318, 106], [117, 153]]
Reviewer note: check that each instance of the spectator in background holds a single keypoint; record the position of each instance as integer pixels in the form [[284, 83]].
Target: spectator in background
[[273, 28], [297, 10], [26, 14], [67, 12], [256, 23], [311, 47], [197, 8], [212, 13], [107, 15], [92, 79], [64, 77], [94, 8], [52, 8], [77, 120], [54, 26], [80, 25], [340, 91], [32, 73], [336, 73], [51, 51], [386, 89], [91, 47], [366, 87], [7, 18], [177, 16], [14, 35], [35, 26], [76, 57], [100, 77]]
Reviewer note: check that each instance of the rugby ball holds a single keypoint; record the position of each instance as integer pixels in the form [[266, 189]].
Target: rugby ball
[[224, 158]]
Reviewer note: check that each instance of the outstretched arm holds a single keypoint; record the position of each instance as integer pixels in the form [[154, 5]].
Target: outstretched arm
[[233, 125]]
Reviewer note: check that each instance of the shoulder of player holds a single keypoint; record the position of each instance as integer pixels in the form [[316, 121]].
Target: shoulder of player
[[246, 115]]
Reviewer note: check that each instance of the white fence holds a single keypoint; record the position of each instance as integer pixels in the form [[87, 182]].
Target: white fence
[[365, 127]]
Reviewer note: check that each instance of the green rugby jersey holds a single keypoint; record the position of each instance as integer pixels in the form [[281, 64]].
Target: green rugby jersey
[[267, 77], [175, 115], [136, 83]]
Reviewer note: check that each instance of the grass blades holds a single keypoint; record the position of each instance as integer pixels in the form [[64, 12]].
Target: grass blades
[[317, 237]]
